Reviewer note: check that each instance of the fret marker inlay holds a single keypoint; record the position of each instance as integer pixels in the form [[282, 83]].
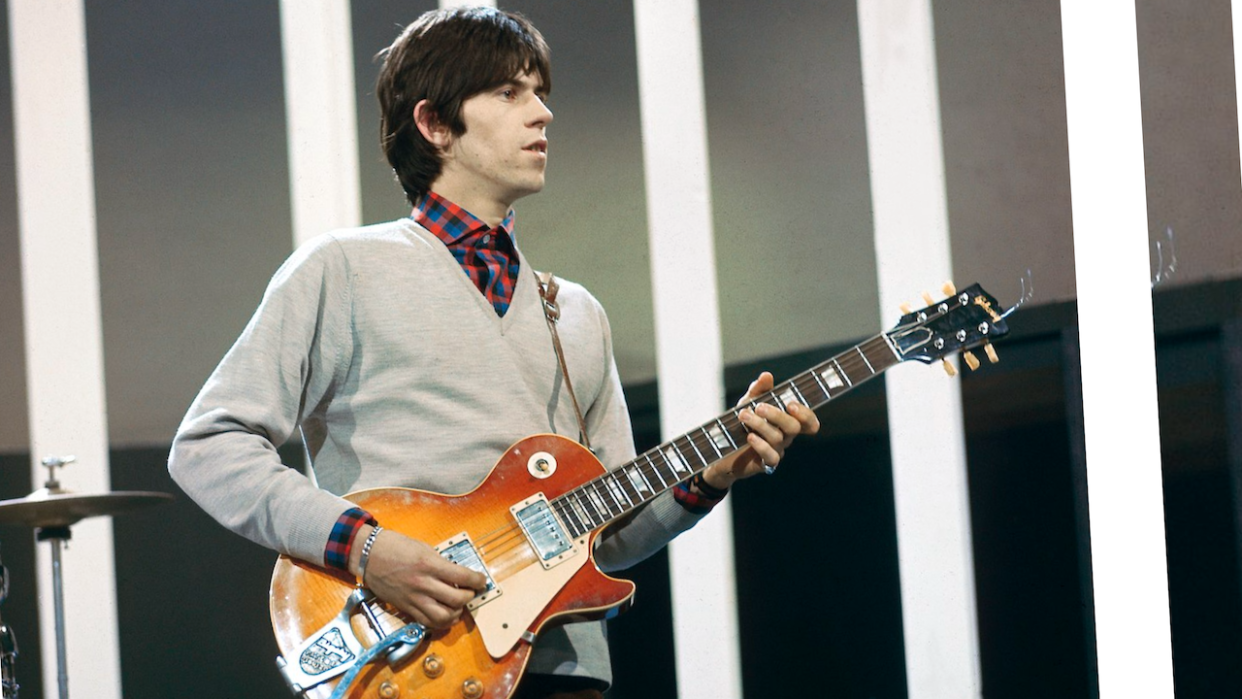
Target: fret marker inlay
[[831, 378], [674, 459], [640, 484]]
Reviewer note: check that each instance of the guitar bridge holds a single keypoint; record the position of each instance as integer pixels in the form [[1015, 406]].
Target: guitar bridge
[[460, 550]]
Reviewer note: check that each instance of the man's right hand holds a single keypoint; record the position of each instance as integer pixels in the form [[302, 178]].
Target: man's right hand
[[412, 577]]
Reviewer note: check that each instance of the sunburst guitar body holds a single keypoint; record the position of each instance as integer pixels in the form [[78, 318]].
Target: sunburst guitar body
[[537, 576]]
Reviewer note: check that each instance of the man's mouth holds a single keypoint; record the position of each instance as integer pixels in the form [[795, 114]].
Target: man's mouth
[[538, 147]]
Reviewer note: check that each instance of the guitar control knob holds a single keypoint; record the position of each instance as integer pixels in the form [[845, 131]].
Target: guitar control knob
[[991, 352], [433, 666], [472, 688], [388, 690], [971, 360], [948, 368]]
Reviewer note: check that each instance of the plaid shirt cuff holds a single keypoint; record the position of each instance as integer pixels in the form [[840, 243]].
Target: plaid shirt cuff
[[697, 496], [336, 555]]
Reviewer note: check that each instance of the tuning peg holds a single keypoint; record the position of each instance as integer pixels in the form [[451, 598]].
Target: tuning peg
[[927, 298], [971, 360], [905, 309], [948, 368], [949, 289], [991, 352]]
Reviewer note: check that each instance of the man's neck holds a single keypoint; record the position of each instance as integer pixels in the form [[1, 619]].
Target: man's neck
[[487, 209]]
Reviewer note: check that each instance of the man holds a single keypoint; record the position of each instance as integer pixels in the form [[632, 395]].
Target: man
[[413, 353]]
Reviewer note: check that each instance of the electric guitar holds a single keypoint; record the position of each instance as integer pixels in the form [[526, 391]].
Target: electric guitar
[[530, 528]]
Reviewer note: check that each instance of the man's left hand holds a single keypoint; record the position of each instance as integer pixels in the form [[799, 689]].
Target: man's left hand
[[771, 432]]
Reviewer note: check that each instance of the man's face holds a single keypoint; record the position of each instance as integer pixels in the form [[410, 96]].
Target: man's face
[[504, 151]]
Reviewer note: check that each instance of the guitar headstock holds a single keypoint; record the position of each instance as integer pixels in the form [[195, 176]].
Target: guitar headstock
[[962, 321]]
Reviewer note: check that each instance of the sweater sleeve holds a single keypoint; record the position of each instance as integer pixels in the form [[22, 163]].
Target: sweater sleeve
[[285, 364], [653, 525]]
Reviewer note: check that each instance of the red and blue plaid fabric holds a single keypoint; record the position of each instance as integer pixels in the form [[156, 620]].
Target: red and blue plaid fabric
[[486, 255], [697, 496], [341, 539]]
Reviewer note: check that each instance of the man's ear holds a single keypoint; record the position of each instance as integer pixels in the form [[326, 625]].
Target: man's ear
[[430, 126]]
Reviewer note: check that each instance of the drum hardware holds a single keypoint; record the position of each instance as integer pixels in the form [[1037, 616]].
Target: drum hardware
[[8, 645], [51, 510]]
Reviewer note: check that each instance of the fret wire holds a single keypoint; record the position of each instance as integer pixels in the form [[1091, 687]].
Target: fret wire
[[681, 458], [809, 398], [878, 344], [591, 490], [632, 471], [680, 455], [822, 387], [737, 415], [589, 507], [841, 371], [641, 474], [559, 507], [711, 442], [702, 435], [575, 513], [597, 496], [569, 518], [596, 502], [777, 399], [814, 383], [864, 358], [580, 501], [725, 430], [620, 483], [656, 469], [603, 481], [698, 453], [623, 479], [737, 418], [801, 398]]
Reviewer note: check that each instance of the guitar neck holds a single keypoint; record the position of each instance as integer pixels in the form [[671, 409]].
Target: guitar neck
[[611, 496]]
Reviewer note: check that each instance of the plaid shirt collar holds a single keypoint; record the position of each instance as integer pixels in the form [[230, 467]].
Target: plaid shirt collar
[[452, 224]]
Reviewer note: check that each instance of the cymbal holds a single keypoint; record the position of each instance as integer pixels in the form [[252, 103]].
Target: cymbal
[[59, 508]]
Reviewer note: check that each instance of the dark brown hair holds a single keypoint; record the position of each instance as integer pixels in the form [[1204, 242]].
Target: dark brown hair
[[447, 57]]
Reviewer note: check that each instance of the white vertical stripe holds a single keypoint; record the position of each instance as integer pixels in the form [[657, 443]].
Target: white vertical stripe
[[1112, 261], [320, 110], [924, 406], [64, 344], [687, 328]]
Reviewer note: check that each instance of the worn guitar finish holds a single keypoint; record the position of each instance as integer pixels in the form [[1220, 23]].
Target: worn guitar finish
[[531, 525], [305, 597]]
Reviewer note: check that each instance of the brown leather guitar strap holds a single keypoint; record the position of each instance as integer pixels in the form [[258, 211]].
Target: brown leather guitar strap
[[552, 313]]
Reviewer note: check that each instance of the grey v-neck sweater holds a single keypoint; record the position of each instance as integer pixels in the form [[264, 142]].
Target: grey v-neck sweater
[[398, 372]]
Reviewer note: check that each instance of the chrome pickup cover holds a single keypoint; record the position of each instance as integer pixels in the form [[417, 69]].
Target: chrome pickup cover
[[543, 530], [461, 550]]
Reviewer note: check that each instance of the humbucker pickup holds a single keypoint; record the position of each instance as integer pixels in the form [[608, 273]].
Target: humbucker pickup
[[461, 550], [543, 530]]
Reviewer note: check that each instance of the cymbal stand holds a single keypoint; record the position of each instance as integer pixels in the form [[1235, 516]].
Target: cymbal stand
[[57, 535]]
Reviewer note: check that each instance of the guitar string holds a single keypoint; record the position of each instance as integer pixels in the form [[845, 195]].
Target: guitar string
[[803, 383]]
